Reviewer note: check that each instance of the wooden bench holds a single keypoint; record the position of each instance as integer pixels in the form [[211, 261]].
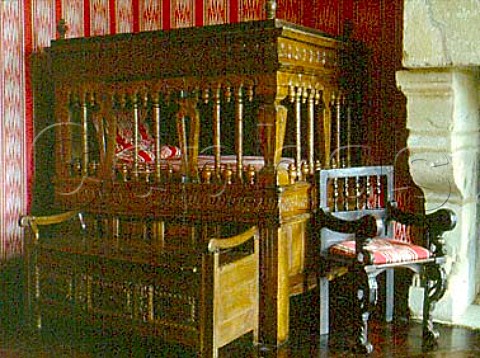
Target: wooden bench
[[203, 296]]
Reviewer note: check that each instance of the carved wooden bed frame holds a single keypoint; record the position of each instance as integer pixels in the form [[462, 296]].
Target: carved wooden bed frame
[[255, 101]]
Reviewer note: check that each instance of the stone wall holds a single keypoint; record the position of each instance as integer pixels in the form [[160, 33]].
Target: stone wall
[[441, 82]]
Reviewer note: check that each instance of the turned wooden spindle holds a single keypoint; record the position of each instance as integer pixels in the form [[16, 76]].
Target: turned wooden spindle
[[239, 131], [92, 168], [251, 174], [169, 172], [337, 103], [249, 93], [346, 194], [298, 129], [158, 172], [305, 170], [378, 192], [349, 130], [292, 173], [311, 129], [206, 174], [124, 172], [136, 124], [368, 194], [333, 163], [335, 194], [216, 128], [84, 104], [77, 167], [227, 93], [227, 174], [358, 193], [155, 98], [144, 99], [205, 95], [148, 173], [291, 93]]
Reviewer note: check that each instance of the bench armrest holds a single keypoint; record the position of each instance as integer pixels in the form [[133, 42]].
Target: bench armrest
[[218, 244], [33, 222]]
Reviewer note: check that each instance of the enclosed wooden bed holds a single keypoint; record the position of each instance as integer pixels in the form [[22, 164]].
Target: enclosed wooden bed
[[174, 137]]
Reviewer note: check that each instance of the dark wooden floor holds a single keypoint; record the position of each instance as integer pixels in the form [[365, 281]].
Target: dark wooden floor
[[401, 339]]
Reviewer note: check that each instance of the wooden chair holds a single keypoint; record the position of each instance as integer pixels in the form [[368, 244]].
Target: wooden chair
[[354, 228]]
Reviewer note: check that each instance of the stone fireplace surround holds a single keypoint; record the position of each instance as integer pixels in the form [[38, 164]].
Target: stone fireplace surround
[[441, 82]]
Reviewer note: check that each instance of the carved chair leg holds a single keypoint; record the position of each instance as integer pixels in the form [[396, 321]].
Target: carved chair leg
[[367, 293], [434, 283]]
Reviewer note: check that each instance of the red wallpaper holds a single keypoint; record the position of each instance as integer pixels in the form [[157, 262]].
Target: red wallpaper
[[15, 171], [28, 25], [97, 17]]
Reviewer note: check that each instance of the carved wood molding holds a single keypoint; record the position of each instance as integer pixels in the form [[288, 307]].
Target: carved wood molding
[[231, 48], [209, 201]]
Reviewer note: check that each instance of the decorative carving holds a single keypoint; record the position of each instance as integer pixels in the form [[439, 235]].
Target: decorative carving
[[294, 203], [316, 58], [434, 282], [367, 291]]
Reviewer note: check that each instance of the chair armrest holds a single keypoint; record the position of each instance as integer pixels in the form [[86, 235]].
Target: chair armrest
[[365, 226], [33, 222], [441, 220], [218, 244], [364, 229], [435, 224]]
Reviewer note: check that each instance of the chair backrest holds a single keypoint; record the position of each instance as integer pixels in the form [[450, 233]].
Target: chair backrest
[[350, 193]]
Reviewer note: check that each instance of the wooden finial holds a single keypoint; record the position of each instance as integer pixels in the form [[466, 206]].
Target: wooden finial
[[62, 28], [271, 9], [305, 170]]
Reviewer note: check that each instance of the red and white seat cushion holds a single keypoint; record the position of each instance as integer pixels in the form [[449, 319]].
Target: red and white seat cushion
[[383, 251]]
